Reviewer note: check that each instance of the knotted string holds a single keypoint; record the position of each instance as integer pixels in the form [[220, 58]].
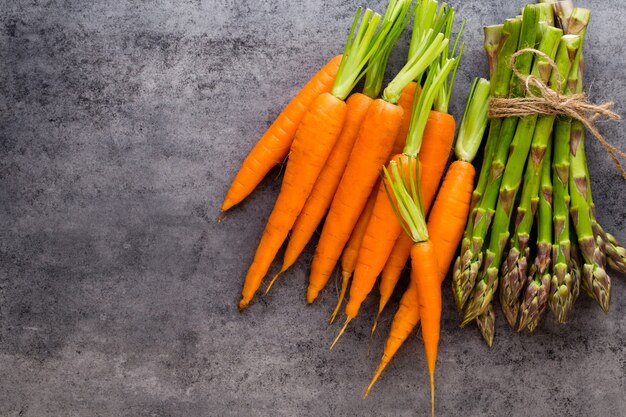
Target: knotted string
[[552, 103]]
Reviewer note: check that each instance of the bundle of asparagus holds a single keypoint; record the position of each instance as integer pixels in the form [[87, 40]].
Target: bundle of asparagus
[[534, 166]]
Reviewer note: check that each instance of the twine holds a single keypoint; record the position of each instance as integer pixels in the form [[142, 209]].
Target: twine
[[552, 103]]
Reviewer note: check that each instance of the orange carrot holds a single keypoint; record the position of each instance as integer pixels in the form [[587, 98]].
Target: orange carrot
[[384, 228], [438, 139], [324, 189], [426, 271], [274, 145], [434, 155], [404, 321], [350, 253], [445, 228], [406, 102], [396, 17], [314, 140], [449, 214], [380, 235], [374, 143]]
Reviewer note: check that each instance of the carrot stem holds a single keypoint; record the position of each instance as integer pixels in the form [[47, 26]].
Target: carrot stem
[[360, 47], [395, 20], [415, 67], [474, 121]]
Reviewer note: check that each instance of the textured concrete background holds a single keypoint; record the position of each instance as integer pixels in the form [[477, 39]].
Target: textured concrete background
[[121, 126]]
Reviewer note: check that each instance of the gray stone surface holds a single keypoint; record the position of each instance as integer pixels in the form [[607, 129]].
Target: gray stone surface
[[121, 126]]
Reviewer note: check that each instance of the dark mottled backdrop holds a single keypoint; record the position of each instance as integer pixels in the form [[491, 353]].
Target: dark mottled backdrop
[[121, 126]]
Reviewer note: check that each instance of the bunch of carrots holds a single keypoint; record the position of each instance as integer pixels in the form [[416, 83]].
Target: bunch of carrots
[[372, 164]]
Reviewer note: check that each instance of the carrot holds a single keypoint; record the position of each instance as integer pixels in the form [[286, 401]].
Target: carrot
[[445, 228], [409, 94], [438, 139], [425, 269], [384, 228], [372, 146], [315, 138], [404, 321], [324, 189], [350, 253], [426, 272], [274, 145], [374, 143], [379, 238], [445, 225], [326, 185]]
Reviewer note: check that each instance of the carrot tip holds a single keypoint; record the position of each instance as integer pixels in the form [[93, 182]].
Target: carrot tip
[[269, 286], [432, 393], [243, 304], [311, 295], [345, 278], [381, 366], [227, 204], [369, 345], [343, 329]]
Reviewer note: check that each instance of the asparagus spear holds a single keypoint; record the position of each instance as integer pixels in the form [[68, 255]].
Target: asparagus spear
[[562, 283], [565, 283], [493, 38], [595, 280], [467, 264], [514, 267], [615, 252], [511, 179], [562, 10], [487, 323], [538, 281]]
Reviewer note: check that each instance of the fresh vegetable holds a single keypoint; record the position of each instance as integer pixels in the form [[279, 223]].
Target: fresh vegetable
[[514, 267], [383, 228], [565, 281], [425, 269], [324, 189], [275, 143], [535, 296], [372, 147], [351, 252], [380, 234], [447, 219], [512, 174], [315, 138], [469, 261]]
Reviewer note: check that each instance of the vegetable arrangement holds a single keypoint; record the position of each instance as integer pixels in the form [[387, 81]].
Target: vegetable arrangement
[[373, 166], [532, 235]]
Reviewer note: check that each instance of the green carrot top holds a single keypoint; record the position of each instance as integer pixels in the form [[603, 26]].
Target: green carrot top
[[360, 47], [430, 45], [474, 121], [428, 16], [394, 21], [442, 99], [406, 201], [437, 76]]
